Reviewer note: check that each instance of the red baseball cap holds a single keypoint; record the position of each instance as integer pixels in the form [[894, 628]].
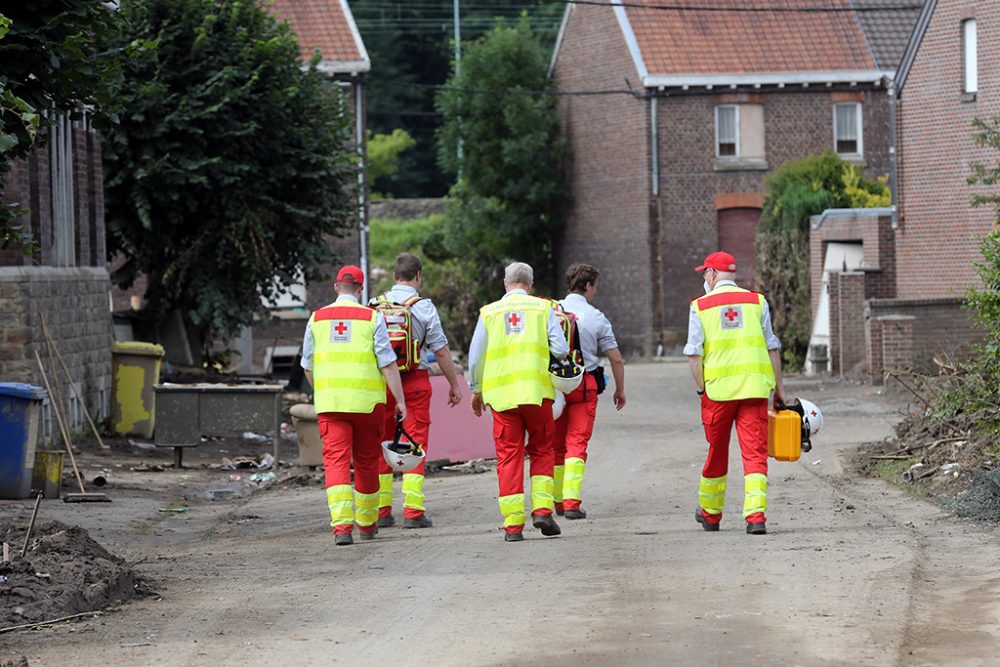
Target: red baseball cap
[[351, 274], [720, 261]]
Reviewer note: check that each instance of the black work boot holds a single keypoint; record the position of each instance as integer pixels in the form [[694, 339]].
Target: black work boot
[[513, 537], [343, 540], [578, 513], [422, 521], [386, 521], [370, 535], [756, 528], [708, 527], [546, 524]]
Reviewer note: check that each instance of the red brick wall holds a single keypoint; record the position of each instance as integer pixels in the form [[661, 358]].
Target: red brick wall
[[850, 331], [797, 122], [941, 327], [607, 221], [937, 241]]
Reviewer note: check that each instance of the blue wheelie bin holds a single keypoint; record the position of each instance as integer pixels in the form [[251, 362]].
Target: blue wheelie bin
[[20, 406]]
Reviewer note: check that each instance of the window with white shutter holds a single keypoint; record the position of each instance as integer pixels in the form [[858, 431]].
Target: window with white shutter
[[727, 134], [847, 128]]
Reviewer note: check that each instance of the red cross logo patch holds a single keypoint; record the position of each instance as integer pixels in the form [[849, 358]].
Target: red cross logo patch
[[514, 322], [340, 332], [732, 317]]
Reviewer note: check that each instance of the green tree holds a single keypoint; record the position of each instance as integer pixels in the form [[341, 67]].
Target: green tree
[[50, 60], [507, 199], [796, 191], [384, 151], [230, 163]]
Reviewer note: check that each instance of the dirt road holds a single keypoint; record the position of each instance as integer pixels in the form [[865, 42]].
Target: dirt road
[[852, 572]]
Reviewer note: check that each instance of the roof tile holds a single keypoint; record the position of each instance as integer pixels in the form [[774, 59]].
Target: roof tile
[[322, 24]]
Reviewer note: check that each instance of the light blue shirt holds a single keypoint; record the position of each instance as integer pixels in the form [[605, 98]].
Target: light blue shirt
[[558, 347], [424, 320], [696, 335], [596, 335], [383, 350]]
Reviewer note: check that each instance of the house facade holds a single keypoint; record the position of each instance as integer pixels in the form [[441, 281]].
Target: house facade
[[65, 287], [676, 118], [903, 294]]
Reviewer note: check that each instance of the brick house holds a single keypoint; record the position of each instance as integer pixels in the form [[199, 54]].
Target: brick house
[[66, 284], [695, 109], [903, 300]]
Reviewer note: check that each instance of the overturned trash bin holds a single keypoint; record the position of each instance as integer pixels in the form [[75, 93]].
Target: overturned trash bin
[[20, 406], [135, 368]]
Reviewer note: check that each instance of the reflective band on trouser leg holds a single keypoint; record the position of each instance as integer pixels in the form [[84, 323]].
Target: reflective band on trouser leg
[[712, 494], [367, 512], [340, 500], [413, 487], [558, 473], [754, 494], [512, 509], [385, 490], [574, 478], [541, 493]]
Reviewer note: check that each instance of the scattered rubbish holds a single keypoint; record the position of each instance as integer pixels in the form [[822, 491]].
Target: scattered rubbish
[[235, 478], [142, 445], [256, 437], [248, 462], [817, 462], [221, 494], [143, 467], [3, 579], [911, 473], [263, 478], [43, 575], [100, 480], [474, 467], [949, 468], [173, 510]]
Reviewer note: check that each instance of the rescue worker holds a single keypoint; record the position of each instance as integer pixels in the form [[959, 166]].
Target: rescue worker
[[508, 371], [735, 361], [427, 333], [576, 424], [348, 360]]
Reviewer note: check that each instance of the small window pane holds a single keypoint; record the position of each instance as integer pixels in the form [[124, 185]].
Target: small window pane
[[970, 59], [727, 131], [846, 128]]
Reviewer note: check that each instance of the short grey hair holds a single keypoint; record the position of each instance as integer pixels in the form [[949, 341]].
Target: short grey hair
[[518, 272], [726, 275]]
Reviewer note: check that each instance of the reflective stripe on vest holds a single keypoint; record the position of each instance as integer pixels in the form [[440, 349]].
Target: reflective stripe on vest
[[345, 370], [736, 361], [516, 367]]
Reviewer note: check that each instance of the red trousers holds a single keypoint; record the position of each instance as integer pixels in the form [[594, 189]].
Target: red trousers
[[351, 436], [417, 392], [574, 428], [509, 427], [750, 417], [576, 424]]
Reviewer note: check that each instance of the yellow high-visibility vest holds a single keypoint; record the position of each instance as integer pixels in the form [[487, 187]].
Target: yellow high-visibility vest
[[346, 376], [736, 361], [516, 369]]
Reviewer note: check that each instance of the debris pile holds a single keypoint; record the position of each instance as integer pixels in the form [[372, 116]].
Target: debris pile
[[64, 572]]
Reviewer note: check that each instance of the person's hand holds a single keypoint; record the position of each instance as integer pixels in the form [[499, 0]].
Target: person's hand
[[400, 412], [454, 395], [477, 404], [619, 399], [779, 394]]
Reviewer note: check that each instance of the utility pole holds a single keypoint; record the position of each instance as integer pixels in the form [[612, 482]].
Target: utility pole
[[458, 69]]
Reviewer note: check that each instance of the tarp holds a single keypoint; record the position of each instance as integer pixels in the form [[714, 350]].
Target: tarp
[[456, 433]]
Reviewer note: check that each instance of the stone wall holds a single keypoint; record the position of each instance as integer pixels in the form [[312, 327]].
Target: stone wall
[[406, 209], [74, 304]]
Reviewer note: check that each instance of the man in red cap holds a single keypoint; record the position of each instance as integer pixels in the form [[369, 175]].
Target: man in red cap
[[735, 360], [349, 362]]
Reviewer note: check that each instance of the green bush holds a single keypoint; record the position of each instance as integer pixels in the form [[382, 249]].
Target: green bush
[[796, 191]]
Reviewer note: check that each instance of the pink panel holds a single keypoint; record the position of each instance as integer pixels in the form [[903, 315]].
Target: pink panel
[[456, 433]]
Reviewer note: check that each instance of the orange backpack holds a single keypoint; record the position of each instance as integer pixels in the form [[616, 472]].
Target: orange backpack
[[399, 322]]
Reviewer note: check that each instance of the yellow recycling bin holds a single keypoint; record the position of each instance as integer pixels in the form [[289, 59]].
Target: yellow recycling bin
[[135, 368]]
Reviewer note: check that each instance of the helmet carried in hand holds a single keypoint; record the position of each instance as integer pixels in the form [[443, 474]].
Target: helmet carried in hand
[[402, 455], [566, 376]]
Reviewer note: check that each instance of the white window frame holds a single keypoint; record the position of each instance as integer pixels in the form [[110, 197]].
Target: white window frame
[[859, 120], [736, 108], [970, 56]]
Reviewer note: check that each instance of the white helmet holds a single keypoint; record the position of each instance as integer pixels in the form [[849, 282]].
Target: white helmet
[[402, 455], [811, 416], [558, 405], [566, 376]]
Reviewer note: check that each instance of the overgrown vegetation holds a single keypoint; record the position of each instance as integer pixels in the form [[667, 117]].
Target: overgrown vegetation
[[506, 151], [384, 153], [230, 164], [796, 191]]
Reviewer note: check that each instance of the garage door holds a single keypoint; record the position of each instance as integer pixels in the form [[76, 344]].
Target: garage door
[[737, 229]]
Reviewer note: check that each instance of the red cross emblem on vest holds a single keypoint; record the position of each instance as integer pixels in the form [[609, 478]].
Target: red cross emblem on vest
[[732, 317], [514, 323], [341, 332]]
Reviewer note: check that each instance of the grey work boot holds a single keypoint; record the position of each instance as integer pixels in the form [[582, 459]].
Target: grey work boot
[[756, 528], [709, 527], [422, 521], [343, 540], [546, 524], [573, 515], [513, 537], [386, 521]]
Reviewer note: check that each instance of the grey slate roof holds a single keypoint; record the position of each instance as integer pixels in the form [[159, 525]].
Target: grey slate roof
[[888, 30]]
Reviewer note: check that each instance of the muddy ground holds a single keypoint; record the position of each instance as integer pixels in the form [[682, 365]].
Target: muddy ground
[[853, 571]]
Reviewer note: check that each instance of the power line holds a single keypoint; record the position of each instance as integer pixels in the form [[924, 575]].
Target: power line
[[515, 91], [743, 9]]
